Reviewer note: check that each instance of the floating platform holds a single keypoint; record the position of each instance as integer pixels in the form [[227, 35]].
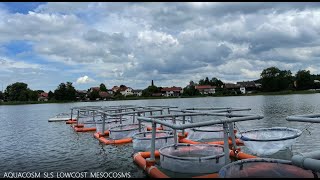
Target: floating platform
[[59, 119]]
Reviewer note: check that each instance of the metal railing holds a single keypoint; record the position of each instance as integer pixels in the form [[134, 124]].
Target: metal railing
[[227, 124]]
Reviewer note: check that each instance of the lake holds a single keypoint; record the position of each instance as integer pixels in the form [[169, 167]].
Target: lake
[[29, 143]]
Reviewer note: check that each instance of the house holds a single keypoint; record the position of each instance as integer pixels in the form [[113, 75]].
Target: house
[[137, 92], [110, 91], [115, 88], [43, 96], [126, 91], [231, 86], [94, 89], [247, 86], [81, 94], [104, 95], [206, 89], [171, 91]]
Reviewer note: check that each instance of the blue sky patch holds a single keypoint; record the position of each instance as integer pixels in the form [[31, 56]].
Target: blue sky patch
[[21, 7]]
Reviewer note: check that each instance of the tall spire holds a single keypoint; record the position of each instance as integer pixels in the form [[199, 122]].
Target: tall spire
[[152, 83]]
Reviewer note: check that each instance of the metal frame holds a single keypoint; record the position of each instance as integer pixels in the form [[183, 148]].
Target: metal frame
[[225, 122], [308, 160]]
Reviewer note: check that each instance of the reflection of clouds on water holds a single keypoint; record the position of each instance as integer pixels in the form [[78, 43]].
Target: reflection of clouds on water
[[30, 142]]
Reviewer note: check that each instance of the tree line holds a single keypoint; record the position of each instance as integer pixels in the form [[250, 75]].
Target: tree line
[[272, 79]]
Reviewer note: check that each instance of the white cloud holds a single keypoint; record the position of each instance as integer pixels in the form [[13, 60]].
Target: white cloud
[[169, 42], [9, 64], [84, 80]]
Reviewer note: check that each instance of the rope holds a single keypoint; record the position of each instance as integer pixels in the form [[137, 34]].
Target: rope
[[306, 128]]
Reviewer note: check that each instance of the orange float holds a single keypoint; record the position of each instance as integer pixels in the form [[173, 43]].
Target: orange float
[[81, 128], [104, 140], [71, 121], [158, 128]]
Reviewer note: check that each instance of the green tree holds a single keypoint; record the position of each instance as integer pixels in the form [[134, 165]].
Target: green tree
[[206, 81], [118, 95], [190, 90], [1, 95], [60, 92], [201, 82], [103, 87], [94, 94], [50, 95], [216, 82], [273, 79], [304, 80], [65, 92], [70, 92], [150, 90], [33, 95], [40, 91], [18, 91]]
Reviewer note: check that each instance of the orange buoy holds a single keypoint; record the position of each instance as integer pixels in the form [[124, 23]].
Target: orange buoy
[[241, 155], [150, 128], [83, 129], [72, 121], [111, 141]]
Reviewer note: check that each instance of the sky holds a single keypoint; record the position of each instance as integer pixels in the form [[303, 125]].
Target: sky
[[172, 43]]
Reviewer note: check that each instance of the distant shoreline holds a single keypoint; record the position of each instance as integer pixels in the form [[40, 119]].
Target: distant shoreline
[[288, 92]]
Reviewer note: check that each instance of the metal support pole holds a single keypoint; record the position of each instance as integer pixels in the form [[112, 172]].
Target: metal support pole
[[226, 143], [231, 130], [174, 131], [71, 114], [133, 118], [120, 119], [153, 141], [139, 123], [93, 115], [183, 122], [233, 138], [168, 110], [103, 123], [78, 114]]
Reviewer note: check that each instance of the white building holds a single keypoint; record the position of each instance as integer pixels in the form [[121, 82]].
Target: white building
[[127, 91], [206, 89], [137, 92]]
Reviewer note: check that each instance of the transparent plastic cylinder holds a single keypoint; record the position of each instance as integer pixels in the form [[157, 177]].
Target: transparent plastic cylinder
[[124, 131], [142, 141], [192, 158], [205, 133], [109, 123], [263, 168], [267, 141]]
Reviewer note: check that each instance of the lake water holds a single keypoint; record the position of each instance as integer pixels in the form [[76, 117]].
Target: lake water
[[29, 143]]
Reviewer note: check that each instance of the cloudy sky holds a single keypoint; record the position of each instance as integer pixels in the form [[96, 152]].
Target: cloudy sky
[[44, 44]]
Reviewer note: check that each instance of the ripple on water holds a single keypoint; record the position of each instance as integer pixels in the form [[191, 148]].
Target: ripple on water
[[30, 143]]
